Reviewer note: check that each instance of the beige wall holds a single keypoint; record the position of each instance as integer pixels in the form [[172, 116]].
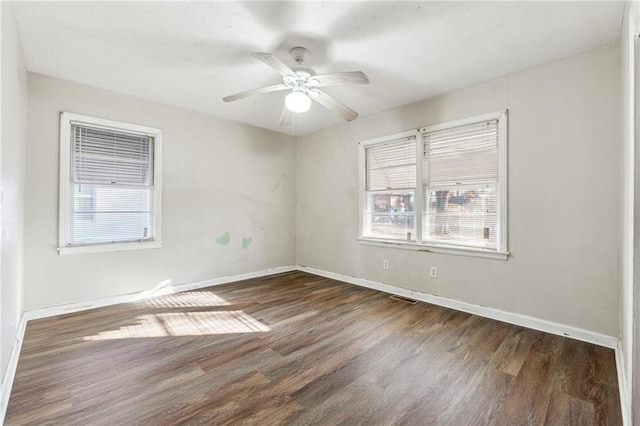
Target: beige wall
[[564, 197], [630, 202], [12, 169], [218, 176]]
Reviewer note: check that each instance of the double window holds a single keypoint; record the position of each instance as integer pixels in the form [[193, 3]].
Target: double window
[[440, 187], [109, 185]]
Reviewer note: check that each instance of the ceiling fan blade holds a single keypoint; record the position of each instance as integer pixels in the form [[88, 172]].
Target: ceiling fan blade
[[331, 103], [286, 117], [339, 78], [274, 63], [253, 92]]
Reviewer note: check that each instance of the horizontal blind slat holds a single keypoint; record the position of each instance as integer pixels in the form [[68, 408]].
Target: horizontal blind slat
[[391, 165]]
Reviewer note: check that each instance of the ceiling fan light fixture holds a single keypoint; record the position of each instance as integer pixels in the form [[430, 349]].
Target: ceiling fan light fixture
[[303, 85], [297, 102]]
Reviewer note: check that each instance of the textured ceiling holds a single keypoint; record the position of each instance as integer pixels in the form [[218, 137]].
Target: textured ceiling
[[191, 54]]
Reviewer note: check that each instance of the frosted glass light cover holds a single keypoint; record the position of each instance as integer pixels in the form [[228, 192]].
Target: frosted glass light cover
[[297, 102]]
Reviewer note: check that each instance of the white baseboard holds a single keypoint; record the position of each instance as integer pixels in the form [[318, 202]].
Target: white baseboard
[[623, 384], [159, 291], [10, 373], [483, 311]]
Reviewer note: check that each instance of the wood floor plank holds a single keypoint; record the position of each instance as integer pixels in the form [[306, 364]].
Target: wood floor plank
[[529, 396], [510, 355], [567, 410], [299, 349]]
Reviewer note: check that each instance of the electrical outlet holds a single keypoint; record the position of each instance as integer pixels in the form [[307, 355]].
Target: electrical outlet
[[434, 272], [385, 264]]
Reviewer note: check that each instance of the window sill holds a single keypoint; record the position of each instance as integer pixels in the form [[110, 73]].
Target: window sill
[[103, 248], [429, 248]]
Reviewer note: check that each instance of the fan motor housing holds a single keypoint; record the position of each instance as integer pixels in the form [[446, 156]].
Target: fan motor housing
[[303, 71]]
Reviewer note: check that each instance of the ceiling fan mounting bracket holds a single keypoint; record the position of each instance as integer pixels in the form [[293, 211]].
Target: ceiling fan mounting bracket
[[298, 54]]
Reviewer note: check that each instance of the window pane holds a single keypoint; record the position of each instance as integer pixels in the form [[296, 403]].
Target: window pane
[[465, 216], [399, 227], [390, 215], [110, 213], [110, 227], [84, 201]]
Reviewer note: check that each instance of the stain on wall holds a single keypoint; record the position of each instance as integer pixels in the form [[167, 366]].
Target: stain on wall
[[223, 239], [246, 242], [284, 179]]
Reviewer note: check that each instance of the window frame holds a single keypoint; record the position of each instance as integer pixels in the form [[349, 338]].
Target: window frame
[[417, 243], [67, 120]]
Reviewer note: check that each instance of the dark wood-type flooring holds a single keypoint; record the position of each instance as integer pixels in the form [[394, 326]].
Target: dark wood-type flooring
[[299, 349]]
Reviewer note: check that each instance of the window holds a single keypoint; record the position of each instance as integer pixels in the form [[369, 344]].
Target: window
[[391, 186], [441, 188], [110, 185]]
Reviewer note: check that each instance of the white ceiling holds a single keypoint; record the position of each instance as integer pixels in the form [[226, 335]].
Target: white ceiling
[[191, 54]]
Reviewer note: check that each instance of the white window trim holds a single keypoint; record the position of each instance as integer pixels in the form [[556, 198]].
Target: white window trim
[[502, 253], [66, 121]]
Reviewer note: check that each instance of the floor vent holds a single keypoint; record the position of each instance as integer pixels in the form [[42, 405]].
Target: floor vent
[[403, 299]]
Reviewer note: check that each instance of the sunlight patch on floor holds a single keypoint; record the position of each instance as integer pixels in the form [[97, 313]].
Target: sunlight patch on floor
[[186, 300], [185, 324]]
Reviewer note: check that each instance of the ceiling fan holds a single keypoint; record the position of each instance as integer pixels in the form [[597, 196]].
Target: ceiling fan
[[304, 84]]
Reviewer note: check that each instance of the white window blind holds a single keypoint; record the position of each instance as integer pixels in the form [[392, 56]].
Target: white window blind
[[460, 172], [112, 186], [106, 156], [392, 165], [390, 186], [463, 155]]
